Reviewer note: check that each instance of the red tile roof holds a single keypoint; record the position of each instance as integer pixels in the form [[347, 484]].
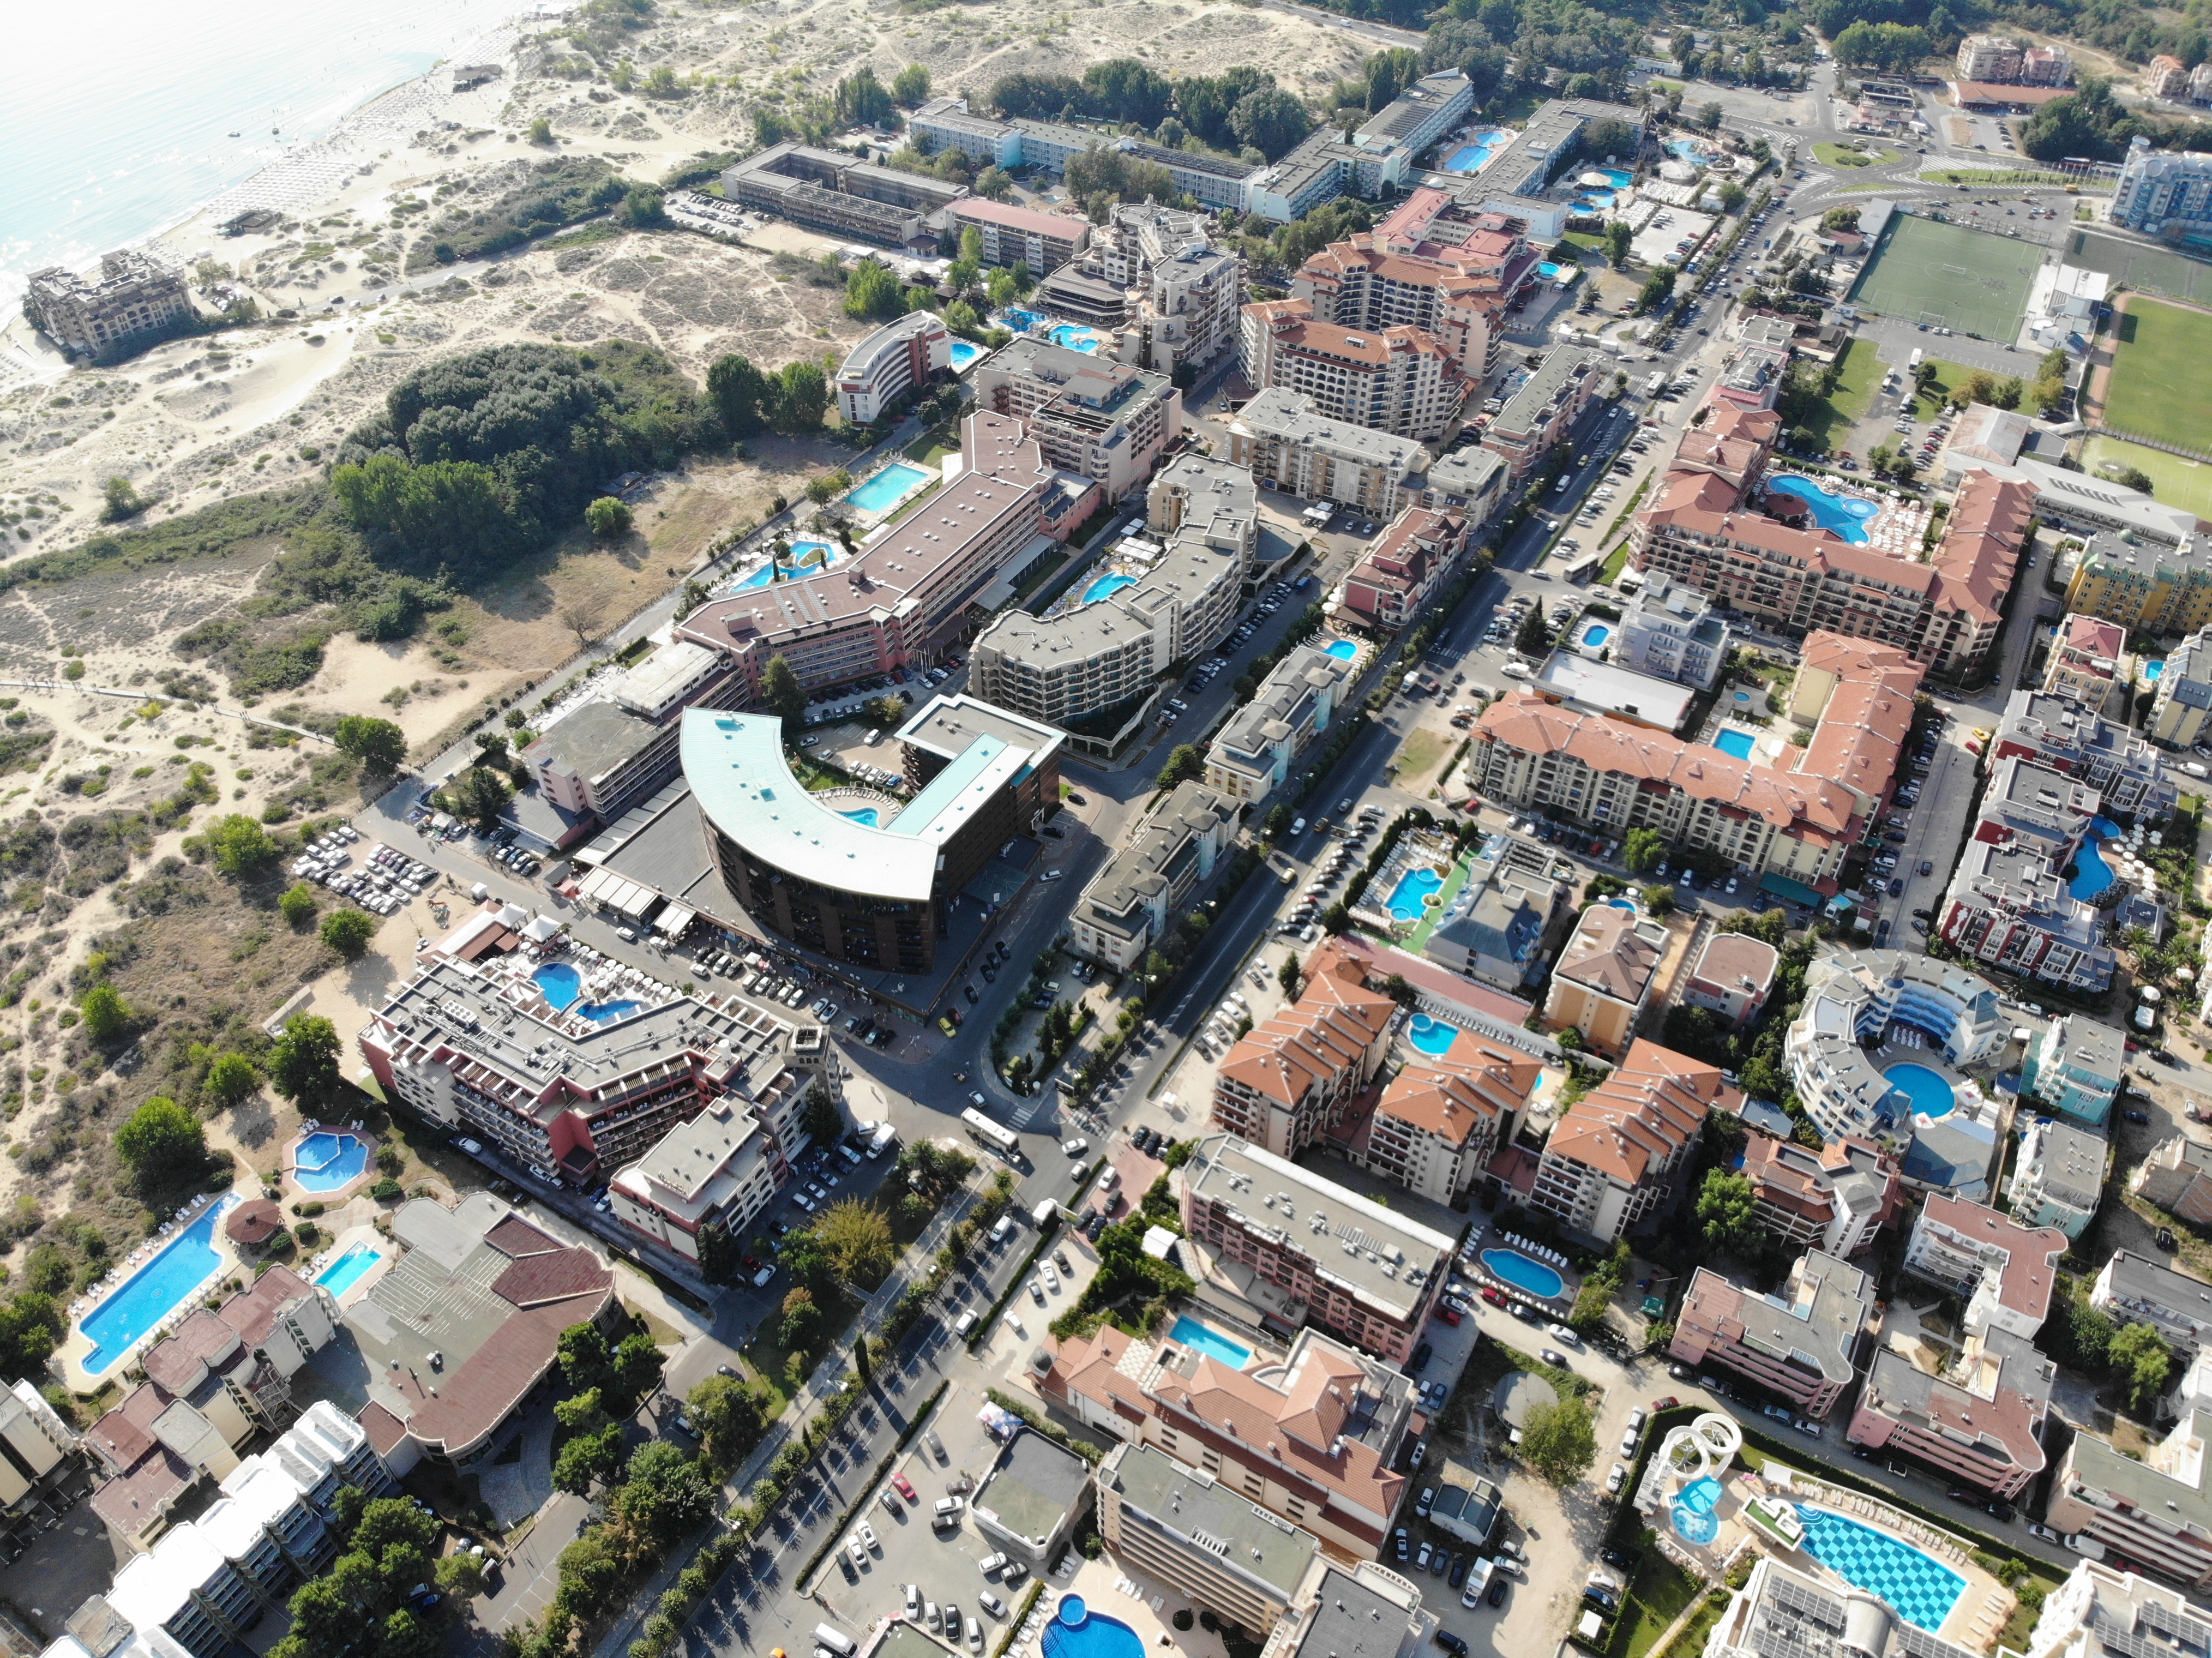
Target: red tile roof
[[563, 1275], [517, 1237]]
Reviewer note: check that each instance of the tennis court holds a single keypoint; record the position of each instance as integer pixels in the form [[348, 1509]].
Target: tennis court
[[2162, 380], [2153, 270], [1948, 276]]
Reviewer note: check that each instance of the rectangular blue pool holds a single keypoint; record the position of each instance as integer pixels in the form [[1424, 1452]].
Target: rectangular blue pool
[[1214, 1344], [1735, 744], [341, 1274], [887, 488], [155, 1290]]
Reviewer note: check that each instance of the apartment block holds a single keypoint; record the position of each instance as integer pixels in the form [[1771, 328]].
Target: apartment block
[[2152, 1511], [1290, 1080], [2059, 1176], [1611, 1161], [1290, 445], [37, 1447], [2009, 904], [2076, 1066], [2134, 1289], [1603, 978], [1458, 298], [1442, 1119], [136, 301], [471, 1050], [829, 190], [1062, 668], [1798, 823], [2177, 1176], [895, 360], [1402, 573], [1988, 57], [2085, 661], [1253, 748], [2105, 1610], [2006, 1270], [2125, 769], [1192, 1530], [1979, 1417], [1155, 280], [2184, 701], [1396, 379], [2145, 586], [1312, 1440], [1135, 900], [1504, 926], [1012, 235], [1545, 408], [719, 1169], [1672, 632], [1835, 1200], [1802, 1342], [1277, 1247], [1732, 976], [1103, 421]]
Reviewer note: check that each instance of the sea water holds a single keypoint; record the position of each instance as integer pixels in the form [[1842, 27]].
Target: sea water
[[115, 123]]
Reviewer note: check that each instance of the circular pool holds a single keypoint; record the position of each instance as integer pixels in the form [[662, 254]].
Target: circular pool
[[1930, 1095]]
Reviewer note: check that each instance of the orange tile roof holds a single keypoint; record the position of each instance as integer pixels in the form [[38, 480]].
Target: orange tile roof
[[1448, 1095], [1606, 954], [1979, 554], [1334, 1020], [1644, 1114]]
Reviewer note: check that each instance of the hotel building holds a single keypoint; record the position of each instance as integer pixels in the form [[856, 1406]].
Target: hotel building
[[1290, 1080], [2163, 191], [2076, 1066], [1802, 1342], [2085, 661], [2060, 1175], [890, 363], [136, 301], [2126, 772], [2132, 1289], [1459, 297], [1734, 973], [2184, 701], [1604, 976], [1397, 379], [2153, 1510], [1103, 421], [1672, 632], [1253, 748], [1835, 1200], [1544, 409], [1155, 279], [2009, 906], [1611, 1161], [1401, 573], [1133, 903], [1851, 998], [1196, 1532], [1020, 235], [1439, 1121], [1289, 444], [829, 190]]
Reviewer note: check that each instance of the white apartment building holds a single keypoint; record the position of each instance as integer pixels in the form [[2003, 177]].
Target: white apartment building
[[2163, 190], [1671, 632], [2134, 1289], [1133, 901], [2007, 1271], [1253, 750], [891, 362], [1289, 444], [2060, 1175], [720, 1169]]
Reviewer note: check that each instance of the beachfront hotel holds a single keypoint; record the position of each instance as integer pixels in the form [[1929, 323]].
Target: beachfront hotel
[[890, 363]]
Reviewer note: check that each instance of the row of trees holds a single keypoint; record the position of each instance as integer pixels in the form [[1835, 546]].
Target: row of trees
[[750, 399], [1242, 109]]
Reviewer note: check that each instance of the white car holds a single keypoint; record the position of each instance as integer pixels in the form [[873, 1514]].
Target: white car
[[1616, 1479], [913, 1602], [859, 1555], [1051, 1279], [867, 1534], [1075, 1148], [1561, 1332]]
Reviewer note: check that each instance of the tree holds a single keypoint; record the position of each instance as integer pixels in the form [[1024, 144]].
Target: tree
[[1659, 900], [107, 1016], [1728, 1214], [303, 1066], [1642, 850], [31, 1326], [1709, 117], [607, 517], [541, 131], [585, 1361], [348, 931], [161, 1142], [872, 291], [742, 394], [1533, 638], [785, 696], [480, 795], [2139, 1354], [634, 1369], [1658, 287], [1559, 1441], [802, 397], [995, 184], [1290, 976], [120, 500], [721, 1259], [802, 1321], [588, 1460], [231, 1077], [729, 1417], [1184, 764], [1271, 120], [910, 86], [460, 1577], [860, 100], [820, 1117], [379, 745], [858, 1237], [2130, 477], [1619, 233], [643, 206], [239, 844], [663, 1495]]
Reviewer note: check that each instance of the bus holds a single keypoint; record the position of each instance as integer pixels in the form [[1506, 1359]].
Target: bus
[[1913, 362], [1656, 384], [988, 1134]]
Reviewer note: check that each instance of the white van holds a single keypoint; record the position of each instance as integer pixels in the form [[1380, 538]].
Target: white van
[[962, 1325], [836, 1640], [1000, 1227]]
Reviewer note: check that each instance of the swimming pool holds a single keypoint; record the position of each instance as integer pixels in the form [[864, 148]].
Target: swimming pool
[[1022, 321], [341, 1274], [324, 1162], [1688, 149], [1841, 515], [1409, 898], [1431, 1036], [1595, 634], [1920, 1589], [1548, 271], [155, 1290], [1106, 586], [1473, 155], [1073, 339], [1591, 200], [1342, 649], [1693, 1512], [1932, 1095], [806, 558], [1619, 177], [1523, 1272], [1201, 1338], [2152, 670], [1076, 1632], [887, 489], [1735, 744], [2091, 874], [963, 353], [864, 815], [558, 983], [607, 1012]]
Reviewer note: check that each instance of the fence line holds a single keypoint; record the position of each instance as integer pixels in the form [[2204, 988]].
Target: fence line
[[2106, 428]]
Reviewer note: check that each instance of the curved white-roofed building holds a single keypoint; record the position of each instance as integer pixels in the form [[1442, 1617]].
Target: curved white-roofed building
[[834, 882], [1851, 999], [883, 368]]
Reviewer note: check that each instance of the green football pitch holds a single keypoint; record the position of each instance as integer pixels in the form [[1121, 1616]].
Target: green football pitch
[[1947, 274], [2162, 380]]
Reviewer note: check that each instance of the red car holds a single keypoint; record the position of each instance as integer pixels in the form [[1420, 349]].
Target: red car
[[905, 1489], [1495, 1297], [1446, 1314], [1667, 1404]]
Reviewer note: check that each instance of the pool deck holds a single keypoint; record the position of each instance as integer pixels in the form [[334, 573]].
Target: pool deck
[[335, 1194], [327, 1257], [1471, 1267], [76, 1346]]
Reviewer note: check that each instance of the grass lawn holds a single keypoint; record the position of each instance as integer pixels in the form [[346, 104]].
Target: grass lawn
[[1694, 1633], [1615, 562], [1969, 280], [1859, 374], [1852, 155], [1949, 376], [1660, 1593], [1972, 179], [1417, 755], [2175, 481], [2162, 384], [1583, 239], [1449, 892]]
